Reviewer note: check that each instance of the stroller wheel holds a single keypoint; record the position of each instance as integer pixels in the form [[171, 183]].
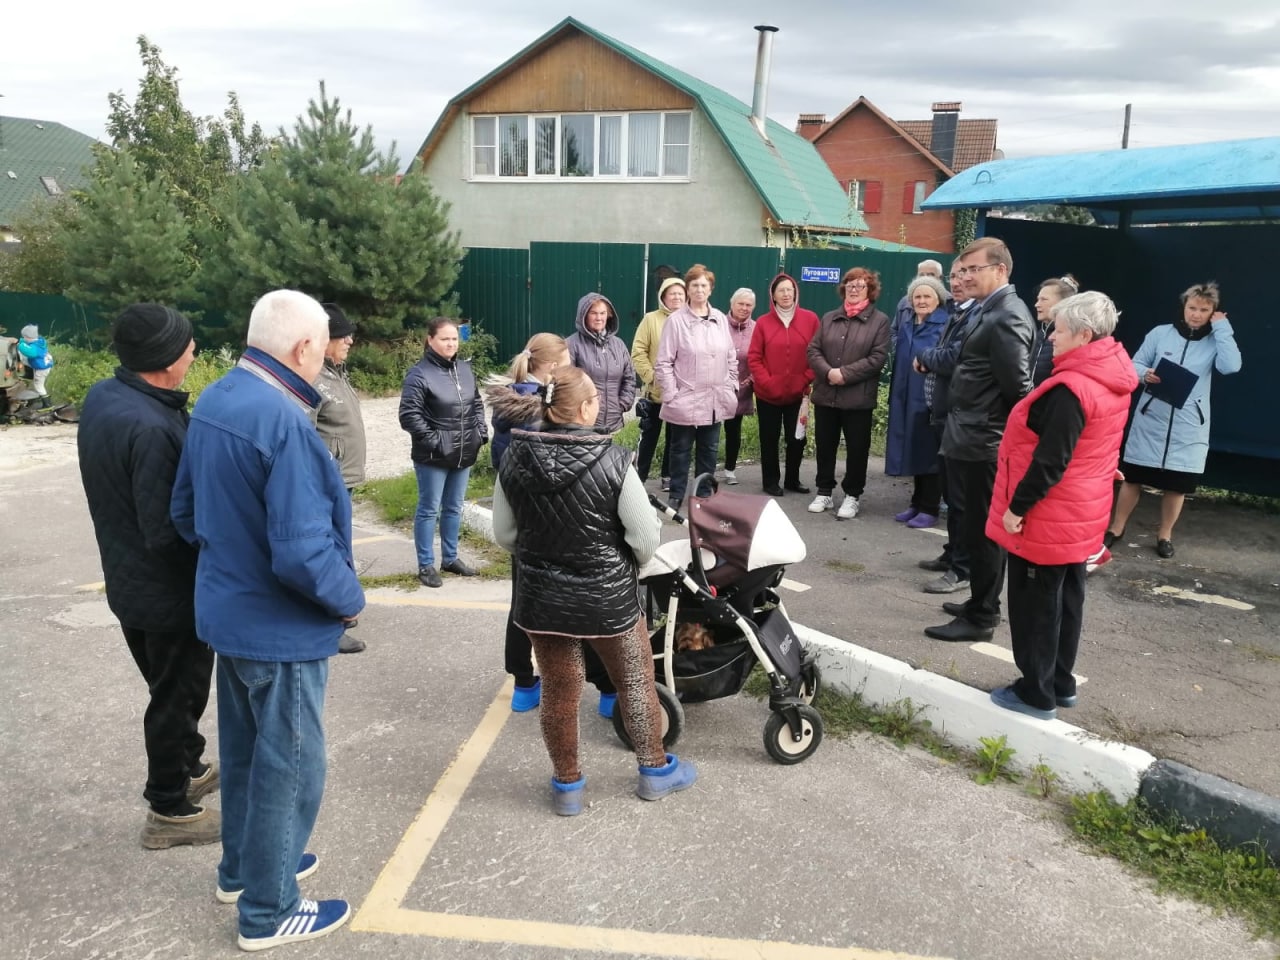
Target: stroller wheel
[[672, 713], [782, 745]]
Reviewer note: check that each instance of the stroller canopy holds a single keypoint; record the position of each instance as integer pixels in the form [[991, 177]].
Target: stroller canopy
[[744, 530]]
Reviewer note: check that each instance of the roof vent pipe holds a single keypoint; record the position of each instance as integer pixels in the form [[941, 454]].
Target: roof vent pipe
[[764, 60]]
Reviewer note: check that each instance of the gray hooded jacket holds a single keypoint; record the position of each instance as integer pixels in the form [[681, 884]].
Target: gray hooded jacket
[[607, 361]]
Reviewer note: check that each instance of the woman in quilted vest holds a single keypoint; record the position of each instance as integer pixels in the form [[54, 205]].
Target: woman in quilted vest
[[1055, 468], [575, 515]]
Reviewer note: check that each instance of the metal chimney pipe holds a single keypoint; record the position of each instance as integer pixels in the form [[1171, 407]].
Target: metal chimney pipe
[[764, 60]]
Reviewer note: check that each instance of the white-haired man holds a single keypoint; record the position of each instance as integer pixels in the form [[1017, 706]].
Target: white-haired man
[[259, 492]]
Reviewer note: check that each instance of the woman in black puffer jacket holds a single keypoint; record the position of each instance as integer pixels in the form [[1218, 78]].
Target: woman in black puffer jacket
[[442, 412]]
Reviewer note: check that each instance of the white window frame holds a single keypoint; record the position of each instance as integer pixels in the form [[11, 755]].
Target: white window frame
[[532, 119], [919, 196]]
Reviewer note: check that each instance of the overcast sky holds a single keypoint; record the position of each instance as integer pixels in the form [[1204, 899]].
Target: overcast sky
[[1056, 80]]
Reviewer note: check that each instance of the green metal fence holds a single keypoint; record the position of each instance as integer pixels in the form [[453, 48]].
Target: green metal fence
[[55, 316]]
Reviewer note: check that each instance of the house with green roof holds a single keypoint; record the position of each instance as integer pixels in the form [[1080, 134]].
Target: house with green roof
[[39, 161], [582, 138]]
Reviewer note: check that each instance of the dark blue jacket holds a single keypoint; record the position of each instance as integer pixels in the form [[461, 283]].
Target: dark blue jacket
[[260, 493], [911, 445], [502, 427], [130, 440]]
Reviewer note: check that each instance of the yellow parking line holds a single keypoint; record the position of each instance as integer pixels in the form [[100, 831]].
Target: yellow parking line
[[378, 539], [91, 587], [388, 600], [382, 910]]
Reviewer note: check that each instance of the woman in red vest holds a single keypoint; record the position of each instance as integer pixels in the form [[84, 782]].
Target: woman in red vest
[[1052, 498]]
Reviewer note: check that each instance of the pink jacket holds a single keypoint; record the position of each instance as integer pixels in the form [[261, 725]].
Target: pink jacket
[[697, 369], [741, 336]]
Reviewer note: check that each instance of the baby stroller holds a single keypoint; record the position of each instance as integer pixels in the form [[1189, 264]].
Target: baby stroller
[[721, 582]]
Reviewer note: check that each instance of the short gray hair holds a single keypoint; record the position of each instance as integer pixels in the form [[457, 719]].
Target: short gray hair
[[282, 319], [1092, 311], [934, 284], [933, 264], [742, 293]]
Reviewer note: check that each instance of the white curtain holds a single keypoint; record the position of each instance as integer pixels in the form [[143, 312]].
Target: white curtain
[[643, 144]]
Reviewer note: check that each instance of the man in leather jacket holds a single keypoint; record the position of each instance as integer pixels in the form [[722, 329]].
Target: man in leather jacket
[[992, 374]]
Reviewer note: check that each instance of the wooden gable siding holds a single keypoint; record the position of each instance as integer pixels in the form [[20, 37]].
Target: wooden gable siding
[[577, 75]]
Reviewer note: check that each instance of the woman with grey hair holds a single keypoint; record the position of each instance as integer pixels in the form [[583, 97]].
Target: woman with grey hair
[[741, 326], [1168, 444], [1054, 472], [911, 444]]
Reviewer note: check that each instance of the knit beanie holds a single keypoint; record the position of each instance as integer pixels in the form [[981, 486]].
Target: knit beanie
[[30, 332], [149, 337], [339, 325]]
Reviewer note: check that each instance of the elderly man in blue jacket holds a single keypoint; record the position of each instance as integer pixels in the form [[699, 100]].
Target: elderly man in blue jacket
[[259, 492]]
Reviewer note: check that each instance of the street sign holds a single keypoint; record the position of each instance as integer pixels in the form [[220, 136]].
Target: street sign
[[820, 274]]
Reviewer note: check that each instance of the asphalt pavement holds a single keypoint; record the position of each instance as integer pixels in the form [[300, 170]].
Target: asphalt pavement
[[436, 822]]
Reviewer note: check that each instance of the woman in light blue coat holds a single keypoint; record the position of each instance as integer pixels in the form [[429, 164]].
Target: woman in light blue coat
[[1168, 445]]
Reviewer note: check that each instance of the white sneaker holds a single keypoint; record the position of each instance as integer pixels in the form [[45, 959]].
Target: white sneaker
[[820, 503], [731, 478], [848, 509]]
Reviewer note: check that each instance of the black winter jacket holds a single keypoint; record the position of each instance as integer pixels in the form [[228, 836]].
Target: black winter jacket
[[992, 374], [577, 572], [442, 412], [130, 439], [940, 360]]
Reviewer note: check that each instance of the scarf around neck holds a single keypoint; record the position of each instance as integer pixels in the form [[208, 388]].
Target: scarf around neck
[[857, 308], [1188, 333]]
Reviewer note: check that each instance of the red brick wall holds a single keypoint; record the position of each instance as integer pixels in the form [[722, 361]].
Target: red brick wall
[[863, 147]]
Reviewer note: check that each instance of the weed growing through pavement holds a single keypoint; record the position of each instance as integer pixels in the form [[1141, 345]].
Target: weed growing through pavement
[[845, 566], [1183, 859], [1042, 782], [993, 760], [397, 581]]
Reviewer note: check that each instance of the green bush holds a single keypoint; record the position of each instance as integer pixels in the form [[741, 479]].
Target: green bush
[[378, 368], [76, 369]]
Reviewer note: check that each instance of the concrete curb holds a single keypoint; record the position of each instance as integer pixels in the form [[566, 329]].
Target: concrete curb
[[1231, 814]]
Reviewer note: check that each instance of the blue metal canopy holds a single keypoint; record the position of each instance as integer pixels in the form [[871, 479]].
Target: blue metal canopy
[[1226, 180]]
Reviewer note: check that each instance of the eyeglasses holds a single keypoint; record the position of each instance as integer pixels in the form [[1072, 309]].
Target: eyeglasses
[[965, 271], [856, 283]]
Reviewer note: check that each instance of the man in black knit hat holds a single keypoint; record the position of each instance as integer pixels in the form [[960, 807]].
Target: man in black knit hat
[[132, 429]]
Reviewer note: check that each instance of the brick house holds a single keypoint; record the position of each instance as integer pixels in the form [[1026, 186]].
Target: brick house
[[889, 167]]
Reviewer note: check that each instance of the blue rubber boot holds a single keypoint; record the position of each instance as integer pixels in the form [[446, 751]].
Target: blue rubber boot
[[656, 782], [607, 701], [567, 797], [524, 699]]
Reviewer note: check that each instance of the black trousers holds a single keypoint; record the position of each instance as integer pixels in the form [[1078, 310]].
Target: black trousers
[[1046, 611], [987, 559], [774, 420], [703, 444], [518, 650], [830, 423], [926, 493], [178, 669], [955, 552], [732, 442], [650, 431]]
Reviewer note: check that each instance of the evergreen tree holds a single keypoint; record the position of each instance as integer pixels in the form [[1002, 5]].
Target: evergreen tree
[[130, 240], [326, 213]]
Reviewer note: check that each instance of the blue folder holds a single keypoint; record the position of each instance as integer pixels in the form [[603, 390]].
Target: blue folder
[[1176, 383]]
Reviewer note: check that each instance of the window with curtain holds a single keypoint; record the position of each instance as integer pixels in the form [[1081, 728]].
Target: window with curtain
[[675, 144], [514, 147], [610, 147], [644, 146], [484, 146], [544, 146]]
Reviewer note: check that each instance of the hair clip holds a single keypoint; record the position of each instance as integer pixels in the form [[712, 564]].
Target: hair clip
[[528, 353], [1071, 282], [548, 391]]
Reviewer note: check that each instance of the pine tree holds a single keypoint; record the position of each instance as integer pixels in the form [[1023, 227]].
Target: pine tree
[[130, 240], [326, 213]]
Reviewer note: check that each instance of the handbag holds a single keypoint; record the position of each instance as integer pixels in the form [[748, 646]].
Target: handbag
[[802, 419]]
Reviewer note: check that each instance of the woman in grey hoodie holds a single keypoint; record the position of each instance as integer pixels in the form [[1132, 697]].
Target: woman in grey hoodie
[[597, 350]]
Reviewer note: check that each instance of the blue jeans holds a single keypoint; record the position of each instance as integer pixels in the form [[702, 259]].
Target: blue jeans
[[680, 439], [440, 493], [271, 743]]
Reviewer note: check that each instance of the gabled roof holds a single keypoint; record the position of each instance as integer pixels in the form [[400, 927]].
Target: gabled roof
[[975, 140], [1226, 180], [31, 149], [865, 104], [791, 178]]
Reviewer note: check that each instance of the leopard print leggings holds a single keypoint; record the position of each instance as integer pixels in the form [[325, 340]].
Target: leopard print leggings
[[629, 660]]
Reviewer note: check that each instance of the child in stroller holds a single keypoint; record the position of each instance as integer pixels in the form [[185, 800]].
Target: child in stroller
[[724, 577]]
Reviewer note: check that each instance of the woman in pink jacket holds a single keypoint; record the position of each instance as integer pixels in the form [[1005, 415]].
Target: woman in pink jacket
[[741, 305], [697, 371]]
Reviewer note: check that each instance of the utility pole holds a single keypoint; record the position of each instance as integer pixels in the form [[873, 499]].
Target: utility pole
[[1124, 139]]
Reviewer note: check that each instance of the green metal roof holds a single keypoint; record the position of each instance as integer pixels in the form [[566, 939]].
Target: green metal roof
[[31, 149], [793, 181], [870, 243]]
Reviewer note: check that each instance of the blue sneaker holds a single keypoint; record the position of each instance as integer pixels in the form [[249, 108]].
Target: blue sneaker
[[524, 699], [567, 797], [607, 701], [656, 782], [308, 863], [312, 920], [1008, 698]]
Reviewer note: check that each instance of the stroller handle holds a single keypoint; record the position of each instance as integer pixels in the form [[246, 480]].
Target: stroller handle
[[667, 510]]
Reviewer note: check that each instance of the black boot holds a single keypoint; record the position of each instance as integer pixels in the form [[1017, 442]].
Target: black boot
[[45, 403]]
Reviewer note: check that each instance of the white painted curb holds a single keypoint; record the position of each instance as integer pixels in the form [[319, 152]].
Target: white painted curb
[[960, 713], [963, 714]]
